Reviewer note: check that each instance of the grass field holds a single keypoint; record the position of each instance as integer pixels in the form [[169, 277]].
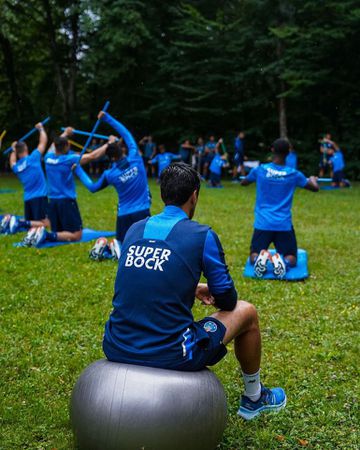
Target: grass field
[[54, 304]]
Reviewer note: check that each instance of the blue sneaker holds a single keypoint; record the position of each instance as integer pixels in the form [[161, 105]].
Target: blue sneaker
[[13, 225], [40, 237], [5, 224], [270, 400]]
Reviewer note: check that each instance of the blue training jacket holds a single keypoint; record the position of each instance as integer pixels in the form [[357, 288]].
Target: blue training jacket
[[31, 175], [162, 259], [128, 175]]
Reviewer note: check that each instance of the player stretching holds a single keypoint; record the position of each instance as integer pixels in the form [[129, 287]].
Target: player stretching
[[27, 167], [275, 187], [128, 176]]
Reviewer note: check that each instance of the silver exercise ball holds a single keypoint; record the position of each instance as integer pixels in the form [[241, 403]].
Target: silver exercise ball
[[126, 407]]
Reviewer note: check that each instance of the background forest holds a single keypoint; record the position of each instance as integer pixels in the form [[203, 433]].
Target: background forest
[[180, 69]]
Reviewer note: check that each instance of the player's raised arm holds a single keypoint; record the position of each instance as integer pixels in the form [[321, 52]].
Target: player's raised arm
[[12, 158], [93, 187], [122, 130], [98, 153], [43, 138], [251, 178]]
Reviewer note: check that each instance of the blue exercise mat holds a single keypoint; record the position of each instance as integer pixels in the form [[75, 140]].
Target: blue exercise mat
[[299, 272], [329, 188], [88, 235]]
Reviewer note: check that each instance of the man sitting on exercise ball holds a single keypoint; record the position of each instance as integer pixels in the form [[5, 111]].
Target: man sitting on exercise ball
[[162, 259]]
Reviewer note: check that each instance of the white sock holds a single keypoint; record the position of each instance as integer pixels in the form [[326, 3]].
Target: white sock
[[252, 386]]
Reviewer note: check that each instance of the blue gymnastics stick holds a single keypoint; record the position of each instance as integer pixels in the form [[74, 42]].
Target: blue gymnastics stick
[[8, 150], [87, 133], [93, 131]]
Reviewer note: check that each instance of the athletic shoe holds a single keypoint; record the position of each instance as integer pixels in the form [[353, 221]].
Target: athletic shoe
[[271, 400], [96, 253], [279, 266], [115, 249], [260, 263], [40, 237], [13, 225], [5, 224], [29, 238]]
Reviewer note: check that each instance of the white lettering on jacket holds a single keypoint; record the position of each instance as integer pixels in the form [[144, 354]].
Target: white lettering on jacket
[[273, 173], [149, 257]]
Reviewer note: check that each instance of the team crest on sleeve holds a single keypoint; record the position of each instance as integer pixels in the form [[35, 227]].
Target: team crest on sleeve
[[151, 258], [210, 326]]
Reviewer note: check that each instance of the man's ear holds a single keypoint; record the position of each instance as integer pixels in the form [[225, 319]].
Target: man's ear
[[194, 197]]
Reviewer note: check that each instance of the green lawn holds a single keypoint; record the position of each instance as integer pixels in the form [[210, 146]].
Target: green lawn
[[54, 304]]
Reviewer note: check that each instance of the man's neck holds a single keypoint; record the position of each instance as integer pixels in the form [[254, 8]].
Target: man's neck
[[278, 161]]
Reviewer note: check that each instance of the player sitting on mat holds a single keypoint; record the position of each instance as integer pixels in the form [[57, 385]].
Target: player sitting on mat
[[275, 187], [128, 176], [216, 165], [63, 210], [162, 259], [27, 167]]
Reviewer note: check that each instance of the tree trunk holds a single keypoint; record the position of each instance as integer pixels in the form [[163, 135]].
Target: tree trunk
[[282, 115], [10, 73], [55, 57], [73, 61]]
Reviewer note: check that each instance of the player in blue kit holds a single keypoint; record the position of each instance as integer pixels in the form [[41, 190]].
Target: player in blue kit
[[27, 167], [216, 165], [161, 262], [239, 156], [275, 187], [128, 176], [337, 163], [163, 159], [63, 210]]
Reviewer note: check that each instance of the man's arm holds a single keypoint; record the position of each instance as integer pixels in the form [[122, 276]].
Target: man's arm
[[123, 131], [222, 292], [98, 153], [250, 178], [101, 183], [312, 184], [43, 139], [12, 158]]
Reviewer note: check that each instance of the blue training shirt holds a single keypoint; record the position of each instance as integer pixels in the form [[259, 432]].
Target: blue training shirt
[[164, 160], [128, 175], [337, 161], [31, 175], [216, 164], [275, 187], [162, 259], [239, 146], [61, 183]]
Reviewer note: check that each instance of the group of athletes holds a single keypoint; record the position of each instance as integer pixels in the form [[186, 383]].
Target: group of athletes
[[162, 257]]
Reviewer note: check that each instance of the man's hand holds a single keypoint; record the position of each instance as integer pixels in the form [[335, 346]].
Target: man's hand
[[69, 131], [13, 145], [39, 126], [203, 294], [112, 139], [101, 115], [313, 179]]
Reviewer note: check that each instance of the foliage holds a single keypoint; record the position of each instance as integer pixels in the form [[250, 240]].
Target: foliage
[[183, 68], [54, 304]]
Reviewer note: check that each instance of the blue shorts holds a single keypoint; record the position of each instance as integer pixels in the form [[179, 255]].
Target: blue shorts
[[284, 241], [123, 223], [215, 179], [338, 176], [208, 350], [36, 208], [64, 215], [239, 159]]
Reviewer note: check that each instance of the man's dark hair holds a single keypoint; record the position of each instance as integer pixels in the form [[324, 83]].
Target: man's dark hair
[[178, 182], [20, 148], [61, 143], [281, 147], [114, 151]]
